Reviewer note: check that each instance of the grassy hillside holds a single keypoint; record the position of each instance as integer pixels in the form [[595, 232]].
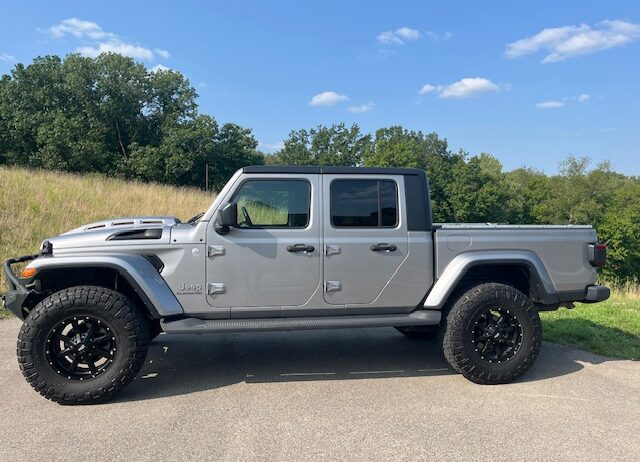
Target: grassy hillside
[[37, 204]]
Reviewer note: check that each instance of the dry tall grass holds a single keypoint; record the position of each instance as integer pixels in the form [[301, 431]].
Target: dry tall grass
[[36, 204]]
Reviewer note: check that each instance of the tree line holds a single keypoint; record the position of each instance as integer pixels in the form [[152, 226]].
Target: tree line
[[111, 115]]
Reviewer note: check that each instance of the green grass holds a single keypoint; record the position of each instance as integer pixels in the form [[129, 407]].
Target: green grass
[[5, 313], [610, 328]]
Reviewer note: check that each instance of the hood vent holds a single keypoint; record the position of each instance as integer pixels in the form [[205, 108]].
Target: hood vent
[[134, 234]]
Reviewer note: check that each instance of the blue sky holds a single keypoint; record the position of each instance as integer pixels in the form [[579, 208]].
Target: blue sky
[[528, 82]]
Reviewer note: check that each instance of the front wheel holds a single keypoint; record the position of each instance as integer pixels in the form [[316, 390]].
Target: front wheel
[[492, 334], [82, 345]]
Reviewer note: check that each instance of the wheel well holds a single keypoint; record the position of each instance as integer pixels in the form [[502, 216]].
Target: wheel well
[[52, 280], [511, 274]]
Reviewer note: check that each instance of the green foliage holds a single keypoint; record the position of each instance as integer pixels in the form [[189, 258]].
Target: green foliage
[[620, 229], [111, 115], [335, 145]]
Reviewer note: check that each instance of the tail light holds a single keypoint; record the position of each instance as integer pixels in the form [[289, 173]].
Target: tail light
[[598, 255]]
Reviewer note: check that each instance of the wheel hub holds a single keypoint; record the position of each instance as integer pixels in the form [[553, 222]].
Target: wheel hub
[[497, 335], [80, 347]]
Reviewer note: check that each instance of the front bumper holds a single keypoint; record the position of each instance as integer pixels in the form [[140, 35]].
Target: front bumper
[[596, 294], [18, 292]]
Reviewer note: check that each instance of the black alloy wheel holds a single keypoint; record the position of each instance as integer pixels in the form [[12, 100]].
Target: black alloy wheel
[[80, 348], [496, 335]]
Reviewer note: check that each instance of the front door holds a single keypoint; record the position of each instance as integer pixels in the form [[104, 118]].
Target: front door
[[365, 236], [272, 258]]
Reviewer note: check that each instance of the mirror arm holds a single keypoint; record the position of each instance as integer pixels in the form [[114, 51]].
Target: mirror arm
[[221, 229]]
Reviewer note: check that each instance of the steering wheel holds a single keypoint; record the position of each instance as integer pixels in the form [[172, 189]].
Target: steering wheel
[[247, 218]]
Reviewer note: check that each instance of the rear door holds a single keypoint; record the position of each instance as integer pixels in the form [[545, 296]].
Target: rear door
[[365, 236]]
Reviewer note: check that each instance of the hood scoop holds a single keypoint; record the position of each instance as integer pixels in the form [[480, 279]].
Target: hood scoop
[[127, 222], [132, 234]]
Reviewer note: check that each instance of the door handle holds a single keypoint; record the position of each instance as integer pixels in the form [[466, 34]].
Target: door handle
[[300, 248], [382, 247]]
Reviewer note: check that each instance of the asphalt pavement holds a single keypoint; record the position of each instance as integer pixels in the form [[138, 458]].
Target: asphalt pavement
[[357, 394]]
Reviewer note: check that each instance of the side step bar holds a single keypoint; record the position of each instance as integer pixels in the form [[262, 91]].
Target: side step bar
[[195, 325]]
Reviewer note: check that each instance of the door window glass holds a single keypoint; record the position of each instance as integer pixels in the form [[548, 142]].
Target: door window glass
[[273, 203], [364, 203]]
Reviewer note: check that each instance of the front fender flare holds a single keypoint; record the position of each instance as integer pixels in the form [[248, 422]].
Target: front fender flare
[[541, 283], [136, 269]]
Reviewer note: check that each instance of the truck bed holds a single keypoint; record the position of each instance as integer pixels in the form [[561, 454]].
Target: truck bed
[[563, 250]]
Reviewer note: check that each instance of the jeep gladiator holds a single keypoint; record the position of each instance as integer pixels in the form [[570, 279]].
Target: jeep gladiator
[[290, 248]]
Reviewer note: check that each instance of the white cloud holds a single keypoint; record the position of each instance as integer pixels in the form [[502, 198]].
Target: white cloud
[[327, 98], [361, 108], [162, 53], [551, 104], [464, 88], [554, 104], [7, 58], [436, 37], [468, 87], [428, 88], [158, 68], [101, 41], [408, 34], [566, 42], [79, 28], [123, 48], [398, 36]]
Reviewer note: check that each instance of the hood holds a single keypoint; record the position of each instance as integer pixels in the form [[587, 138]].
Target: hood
[[145, 230]]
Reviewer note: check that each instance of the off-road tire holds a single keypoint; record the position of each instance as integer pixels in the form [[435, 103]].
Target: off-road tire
[[419, 332], [457, 334], [130, 337]]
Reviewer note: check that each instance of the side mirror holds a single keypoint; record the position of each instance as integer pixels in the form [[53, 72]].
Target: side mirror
[[227, 217]]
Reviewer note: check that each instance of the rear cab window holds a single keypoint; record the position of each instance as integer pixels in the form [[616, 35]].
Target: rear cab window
[[364, 203]]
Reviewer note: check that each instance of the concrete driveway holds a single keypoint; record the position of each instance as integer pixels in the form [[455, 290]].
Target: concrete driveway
[[368, 394]]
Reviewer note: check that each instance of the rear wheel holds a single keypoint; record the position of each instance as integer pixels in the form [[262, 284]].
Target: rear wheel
[[82, 345], [492, 334]]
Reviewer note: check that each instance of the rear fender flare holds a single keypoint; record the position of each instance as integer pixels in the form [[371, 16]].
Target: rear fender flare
[[541, 284]]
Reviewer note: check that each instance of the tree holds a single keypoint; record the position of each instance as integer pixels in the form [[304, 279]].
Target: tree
[[111, 115], [396, 147], [234, 147], [620, 230], [334, 145], [529, 193]]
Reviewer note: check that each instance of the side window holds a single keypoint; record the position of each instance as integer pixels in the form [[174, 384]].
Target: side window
[[364, 203], [273, 204]]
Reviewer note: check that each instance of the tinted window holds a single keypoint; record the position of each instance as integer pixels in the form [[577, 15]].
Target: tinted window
[[273, 203], [364, 203]]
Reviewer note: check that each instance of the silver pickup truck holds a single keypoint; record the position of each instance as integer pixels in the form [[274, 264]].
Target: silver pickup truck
[[288, 248]]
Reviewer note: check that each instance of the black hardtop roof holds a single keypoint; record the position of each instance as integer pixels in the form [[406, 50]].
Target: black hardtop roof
[[332, 170]]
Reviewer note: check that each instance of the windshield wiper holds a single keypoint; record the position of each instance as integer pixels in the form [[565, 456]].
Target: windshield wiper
[[196, 217]]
